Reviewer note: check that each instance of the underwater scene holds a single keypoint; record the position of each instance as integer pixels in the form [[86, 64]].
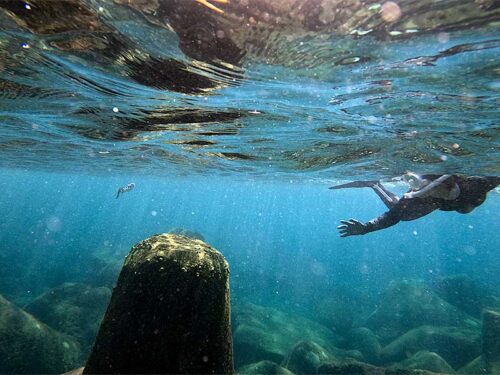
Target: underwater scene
[[249, 186]]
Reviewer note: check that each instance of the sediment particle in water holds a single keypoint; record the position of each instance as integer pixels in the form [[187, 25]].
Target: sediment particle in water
[[169, 312]]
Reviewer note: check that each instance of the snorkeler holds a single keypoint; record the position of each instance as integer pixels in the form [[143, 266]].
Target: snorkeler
[[125, 189], [427, 193]]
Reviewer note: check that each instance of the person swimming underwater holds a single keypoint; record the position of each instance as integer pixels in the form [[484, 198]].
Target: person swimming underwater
[[427, 193], [125, 189]]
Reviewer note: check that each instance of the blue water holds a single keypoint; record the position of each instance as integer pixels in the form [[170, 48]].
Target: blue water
[[236, 134], [280, 237]]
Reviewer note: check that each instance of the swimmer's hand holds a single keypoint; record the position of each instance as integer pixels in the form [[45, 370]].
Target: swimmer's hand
[[351, 227]]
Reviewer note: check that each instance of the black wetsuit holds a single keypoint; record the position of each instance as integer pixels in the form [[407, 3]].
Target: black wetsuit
[[473, 192]]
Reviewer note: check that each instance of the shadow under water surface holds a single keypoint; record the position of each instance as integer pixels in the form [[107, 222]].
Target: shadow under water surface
[[295, 88]]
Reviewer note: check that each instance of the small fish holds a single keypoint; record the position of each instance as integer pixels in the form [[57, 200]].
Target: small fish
[[125, 189]]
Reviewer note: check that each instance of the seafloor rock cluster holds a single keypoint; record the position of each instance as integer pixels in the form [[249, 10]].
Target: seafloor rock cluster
[[415, 329], [170, 313]]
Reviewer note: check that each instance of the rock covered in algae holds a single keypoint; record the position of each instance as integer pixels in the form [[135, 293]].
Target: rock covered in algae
[[491, 340], [463, 292], [425, 360], [457, 346], [169, 312], [305, 358], [476, 366], [29, 346], [366, 342], [351, 367], [264, 368], [410, 304], [265, 333], [74, 309]]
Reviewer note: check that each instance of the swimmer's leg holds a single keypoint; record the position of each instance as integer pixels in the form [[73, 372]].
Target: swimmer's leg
[[390, 199], [354, 184], [118, 193]]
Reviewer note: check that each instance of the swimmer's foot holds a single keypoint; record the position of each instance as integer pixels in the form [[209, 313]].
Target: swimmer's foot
[[211, 6], [355, 184]]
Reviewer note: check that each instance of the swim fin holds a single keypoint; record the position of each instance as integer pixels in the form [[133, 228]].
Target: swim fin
[[354, 184]]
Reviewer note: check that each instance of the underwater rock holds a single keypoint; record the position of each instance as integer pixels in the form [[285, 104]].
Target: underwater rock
[[491, 340], [461, 291], [78, 371], [336, 314], [264, 368], [74, 309], [457, 346], [305, 358], [425, 360], [476, 366], [187, 233], [367, 343], [107, 275], [350, 367], [169, 312], [29, 346], [410, 304], [264, 333]]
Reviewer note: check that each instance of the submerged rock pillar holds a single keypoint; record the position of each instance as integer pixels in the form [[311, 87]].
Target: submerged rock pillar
[[169, 312], [491, 340]]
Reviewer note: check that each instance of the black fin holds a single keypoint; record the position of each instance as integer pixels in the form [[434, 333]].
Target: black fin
[[354, 184]]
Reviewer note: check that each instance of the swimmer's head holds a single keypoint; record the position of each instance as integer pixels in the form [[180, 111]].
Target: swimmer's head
[[415, 181]]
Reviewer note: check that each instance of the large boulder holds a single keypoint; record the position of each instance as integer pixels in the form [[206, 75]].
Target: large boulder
[[476, 366], [29, 346], [410, 304], [457, 346], [425, 360], [169, 312], [264, 368], [491, 340], [350, 367], [106, 275], [74, 309], [364, 340], [265, 333], [305, 357], [463, 292], [335, 313]]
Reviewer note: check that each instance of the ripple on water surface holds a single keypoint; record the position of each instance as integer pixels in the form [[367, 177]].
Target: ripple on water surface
[[325, 89]]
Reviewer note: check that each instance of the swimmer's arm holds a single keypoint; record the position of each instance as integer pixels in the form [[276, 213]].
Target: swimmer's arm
[[386, 220], [354, 227], [428, 188]]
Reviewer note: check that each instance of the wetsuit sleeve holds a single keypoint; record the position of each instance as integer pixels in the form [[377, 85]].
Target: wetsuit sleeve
[[493, 182], [388, 219]]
